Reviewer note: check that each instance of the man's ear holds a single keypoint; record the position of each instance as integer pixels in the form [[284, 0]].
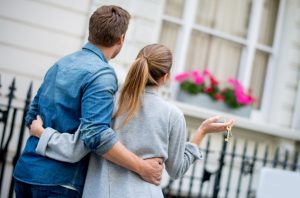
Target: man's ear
[[121, 39]]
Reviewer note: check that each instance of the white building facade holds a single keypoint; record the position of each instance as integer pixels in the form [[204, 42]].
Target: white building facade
[[255, 41]]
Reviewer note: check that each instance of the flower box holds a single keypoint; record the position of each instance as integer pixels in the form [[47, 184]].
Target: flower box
[[203, 100], [203, 89]]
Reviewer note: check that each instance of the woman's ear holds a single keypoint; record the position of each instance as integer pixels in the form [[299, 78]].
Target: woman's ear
[[164, 79]]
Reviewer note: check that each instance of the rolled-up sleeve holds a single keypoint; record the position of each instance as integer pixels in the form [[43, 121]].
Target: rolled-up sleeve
[[64, 147], [97, 109]]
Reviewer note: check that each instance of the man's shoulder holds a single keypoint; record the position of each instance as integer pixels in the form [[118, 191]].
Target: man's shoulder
[[85, 62]]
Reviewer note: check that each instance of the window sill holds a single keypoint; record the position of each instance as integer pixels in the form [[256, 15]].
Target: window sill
[[256, 126]]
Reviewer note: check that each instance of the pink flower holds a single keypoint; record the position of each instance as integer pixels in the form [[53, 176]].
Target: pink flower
[[236, 84], [212, 79], [198, 79], [243, 98], [182, 77], [206, 73]]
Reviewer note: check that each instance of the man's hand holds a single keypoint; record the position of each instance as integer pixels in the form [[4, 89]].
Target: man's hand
[[36, 127], [151, 170]]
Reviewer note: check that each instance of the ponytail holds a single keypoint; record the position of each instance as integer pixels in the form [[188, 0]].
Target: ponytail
[[134, 86], [152, 63]]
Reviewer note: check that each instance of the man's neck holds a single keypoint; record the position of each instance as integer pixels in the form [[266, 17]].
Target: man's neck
[[107, 51]]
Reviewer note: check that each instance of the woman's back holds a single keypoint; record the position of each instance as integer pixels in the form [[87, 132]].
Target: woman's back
[[157, 130]]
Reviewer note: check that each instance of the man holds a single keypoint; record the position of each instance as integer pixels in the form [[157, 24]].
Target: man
[[78, 90]]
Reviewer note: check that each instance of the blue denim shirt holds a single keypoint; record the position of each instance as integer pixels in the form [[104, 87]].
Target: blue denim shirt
[[78, 90]]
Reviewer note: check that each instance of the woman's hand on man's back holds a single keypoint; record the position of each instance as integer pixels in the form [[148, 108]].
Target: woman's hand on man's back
[[36, 127]]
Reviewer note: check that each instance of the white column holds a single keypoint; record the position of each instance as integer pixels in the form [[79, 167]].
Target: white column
[[182, 42], [253, 31], [296, 114], [272, 66]]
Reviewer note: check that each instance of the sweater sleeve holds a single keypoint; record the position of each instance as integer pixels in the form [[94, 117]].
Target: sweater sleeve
[[64, 147], [181, 154]]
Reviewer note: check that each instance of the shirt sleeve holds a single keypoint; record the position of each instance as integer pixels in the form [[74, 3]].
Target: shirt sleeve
[[96, 112], [33, 110], [181, 154], [94, 133], [64, 147]]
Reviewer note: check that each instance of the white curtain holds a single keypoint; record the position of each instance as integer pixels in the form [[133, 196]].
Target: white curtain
[[174, 8], [265, 37], [258, 75], [221, 57], [168, 35], [268, 22], [229, 16]]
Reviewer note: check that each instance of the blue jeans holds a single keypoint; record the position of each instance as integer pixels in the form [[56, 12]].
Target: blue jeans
[[24, 190]]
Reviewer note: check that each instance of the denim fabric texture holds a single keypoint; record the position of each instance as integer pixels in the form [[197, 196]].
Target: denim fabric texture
[[78, 90], [24, 190]]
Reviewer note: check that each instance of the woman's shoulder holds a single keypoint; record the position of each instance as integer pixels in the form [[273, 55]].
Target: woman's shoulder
[[168, 108]]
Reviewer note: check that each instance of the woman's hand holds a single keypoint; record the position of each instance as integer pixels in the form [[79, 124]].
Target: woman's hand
[[211, 125], [36, 127]]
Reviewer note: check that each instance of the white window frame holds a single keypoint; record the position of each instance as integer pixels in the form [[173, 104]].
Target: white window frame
[[249, 43]]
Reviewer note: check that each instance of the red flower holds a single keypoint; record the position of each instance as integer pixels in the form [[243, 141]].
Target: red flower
[[208, 89], [219, 97], [213, 81]]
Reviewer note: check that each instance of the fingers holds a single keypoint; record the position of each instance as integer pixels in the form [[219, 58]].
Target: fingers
[[158, 178], [154, 174], [230, 123], [39, 118], [157, 160], [219, 119], [156, 182], [214, 118]]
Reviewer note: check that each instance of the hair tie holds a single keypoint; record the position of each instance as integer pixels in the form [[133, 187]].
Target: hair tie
[[146, 58]]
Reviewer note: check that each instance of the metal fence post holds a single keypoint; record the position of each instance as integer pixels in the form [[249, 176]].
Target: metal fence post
[[219, 172], [21, 135], [4, 119]]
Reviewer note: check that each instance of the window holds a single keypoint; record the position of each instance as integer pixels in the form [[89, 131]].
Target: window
[[231, 38]]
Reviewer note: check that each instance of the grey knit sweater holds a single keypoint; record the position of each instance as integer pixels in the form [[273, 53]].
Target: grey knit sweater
[[157, 130]]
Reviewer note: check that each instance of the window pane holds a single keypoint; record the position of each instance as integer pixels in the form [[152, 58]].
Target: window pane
[[258, 76], [168, 35], [268, 22], [174, 8], [220, 56], [230, 16]]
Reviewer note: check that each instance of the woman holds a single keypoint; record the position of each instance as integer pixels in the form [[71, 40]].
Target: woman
[[145, 123]]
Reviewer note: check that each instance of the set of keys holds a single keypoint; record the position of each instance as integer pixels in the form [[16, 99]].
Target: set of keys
[[229, 135]]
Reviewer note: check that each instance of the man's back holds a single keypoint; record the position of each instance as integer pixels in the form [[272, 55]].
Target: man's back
[[59, 103]]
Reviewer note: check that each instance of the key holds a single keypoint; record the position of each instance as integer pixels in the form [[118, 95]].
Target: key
[[229, 135]]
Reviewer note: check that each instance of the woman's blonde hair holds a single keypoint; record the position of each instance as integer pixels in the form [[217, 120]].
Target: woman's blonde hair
[[151, 64]]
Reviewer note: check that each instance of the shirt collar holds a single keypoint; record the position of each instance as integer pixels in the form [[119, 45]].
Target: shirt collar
[[91, 47], [151, 90]]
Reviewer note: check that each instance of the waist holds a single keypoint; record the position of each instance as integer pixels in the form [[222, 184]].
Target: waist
[[35, 169]]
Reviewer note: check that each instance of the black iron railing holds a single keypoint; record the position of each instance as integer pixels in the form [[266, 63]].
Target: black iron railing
[[8, 115], [233, 176], [235, 172]]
